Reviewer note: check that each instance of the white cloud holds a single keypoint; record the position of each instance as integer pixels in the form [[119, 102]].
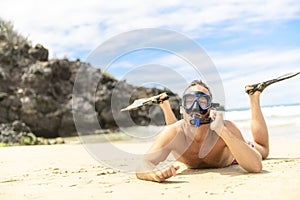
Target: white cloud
[[249, 62], [238, 69], [66, 27]]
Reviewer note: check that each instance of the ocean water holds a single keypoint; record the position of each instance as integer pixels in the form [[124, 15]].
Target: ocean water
[[283, 122]]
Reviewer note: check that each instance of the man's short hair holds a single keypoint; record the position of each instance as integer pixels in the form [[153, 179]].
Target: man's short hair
[[198, 82]]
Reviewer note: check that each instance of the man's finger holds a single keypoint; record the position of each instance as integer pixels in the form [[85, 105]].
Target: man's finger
[[212, 114], [159, 174], [173, 170], [167, 173], [157, 179], [218, 124]]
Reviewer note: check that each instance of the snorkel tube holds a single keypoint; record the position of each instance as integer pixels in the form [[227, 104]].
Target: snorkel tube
[[197, 121], [196, 104], [195, 115]]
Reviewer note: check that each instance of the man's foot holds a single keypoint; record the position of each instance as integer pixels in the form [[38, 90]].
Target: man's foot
[[159, 98], [251, 89]]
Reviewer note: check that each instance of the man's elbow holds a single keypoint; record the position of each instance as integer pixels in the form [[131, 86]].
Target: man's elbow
[[145, 177], [256, 168], [141, 173], [138, 175]]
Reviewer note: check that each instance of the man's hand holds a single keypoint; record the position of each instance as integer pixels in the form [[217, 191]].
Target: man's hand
[[218, 124], [162, 175]]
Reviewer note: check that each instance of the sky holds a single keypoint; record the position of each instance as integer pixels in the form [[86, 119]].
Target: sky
[[246, 41]]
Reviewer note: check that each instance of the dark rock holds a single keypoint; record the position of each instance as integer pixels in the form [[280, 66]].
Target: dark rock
[[39, 53], [16, 133], [40, 93]]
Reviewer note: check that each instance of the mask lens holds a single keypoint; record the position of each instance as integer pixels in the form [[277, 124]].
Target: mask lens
[[204, 102], [199, 98], [188, 101]]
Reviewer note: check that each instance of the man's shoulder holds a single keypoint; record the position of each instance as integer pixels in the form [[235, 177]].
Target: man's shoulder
[[172, 130], [232, 127], [177, 126]]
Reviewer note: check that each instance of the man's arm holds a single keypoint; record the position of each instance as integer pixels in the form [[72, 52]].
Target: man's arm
[[247, 157], [159, 151], [170, 117], [148, 172]]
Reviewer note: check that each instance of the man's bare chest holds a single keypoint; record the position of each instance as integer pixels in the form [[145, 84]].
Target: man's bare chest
[[199, 155]]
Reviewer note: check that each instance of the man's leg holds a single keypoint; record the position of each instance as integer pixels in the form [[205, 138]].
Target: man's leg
[[258, 126]]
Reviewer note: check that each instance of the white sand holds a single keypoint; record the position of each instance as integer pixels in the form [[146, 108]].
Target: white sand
[[69, 172]]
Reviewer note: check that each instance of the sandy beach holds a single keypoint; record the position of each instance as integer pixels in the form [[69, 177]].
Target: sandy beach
[[68, 171]]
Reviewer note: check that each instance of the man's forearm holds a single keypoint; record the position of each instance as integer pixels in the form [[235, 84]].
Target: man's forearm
[[247, 157], [168, 112], [148, 172], [145, 171], [144, 176]]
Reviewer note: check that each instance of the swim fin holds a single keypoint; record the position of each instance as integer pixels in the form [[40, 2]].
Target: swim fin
[[147, 101], [251, 89]]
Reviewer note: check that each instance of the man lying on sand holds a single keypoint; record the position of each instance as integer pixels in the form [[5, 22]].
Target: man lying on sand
[[199, 143]]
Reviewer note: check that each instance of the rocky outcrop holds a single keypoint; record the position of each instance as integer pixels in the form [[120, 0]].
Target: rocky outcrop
[[17, 133], [38, 92]]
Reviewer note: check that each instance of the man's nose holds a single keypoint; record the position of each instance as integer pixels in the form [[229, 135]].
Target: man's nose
[[195, 105]]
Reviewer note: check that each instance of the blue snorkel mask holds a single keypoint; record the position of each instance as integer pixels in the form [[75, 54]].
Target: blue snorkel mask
[[200, 99], [196, 104]]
